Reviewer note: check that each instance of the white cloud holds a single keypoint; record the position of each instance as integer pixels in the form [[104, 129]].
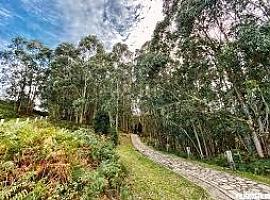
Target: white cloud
[[3, 44], [43, 9], [143, 31], [4, 13], [80, 18], [132, 21], [129, 21]]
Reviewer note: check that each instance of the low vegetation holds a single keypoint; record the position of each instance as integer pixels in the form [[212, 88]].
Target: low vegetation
[[41, 161], [6, 110]]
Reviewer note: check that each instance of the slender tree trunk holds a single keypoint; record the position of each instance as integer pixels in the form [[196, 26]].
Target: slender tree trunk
[[117, 106], [198, 141], [254, 135], [21, 94], [204, 142], [111, 119]]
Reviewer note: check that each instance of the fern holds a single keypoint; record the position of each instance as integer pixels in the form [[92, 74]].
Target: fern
[[40, 161], [16, 192]]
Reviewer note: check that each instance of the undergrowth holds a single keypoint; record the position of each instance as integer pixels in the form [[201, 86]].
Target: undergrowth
[[41, 161], [7, 110]]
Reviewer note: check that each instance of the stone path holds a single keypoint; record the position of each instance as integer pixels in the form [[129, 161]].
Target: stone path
[[220, 185]]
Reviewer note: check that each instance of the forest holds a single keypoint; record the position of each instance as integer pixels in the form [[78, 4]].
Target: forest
[[202, 82]]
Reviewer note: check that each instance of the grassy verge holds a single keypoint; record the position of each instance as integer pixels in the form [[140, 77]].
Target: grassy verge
[[151, 181]]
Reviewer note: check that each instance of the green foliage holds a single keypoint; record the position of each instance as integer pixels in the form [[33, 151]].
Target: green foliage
[[102, 123], [203, 80], [7, 110], [85, 79], [26, 64], [258, 167], [150, 64], [114, 136], [40, 161], [243, 162], [219, 160]]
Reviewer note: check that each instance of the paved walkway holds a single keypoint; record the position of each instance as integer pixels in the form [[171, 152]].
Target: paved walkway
[[220, 185]]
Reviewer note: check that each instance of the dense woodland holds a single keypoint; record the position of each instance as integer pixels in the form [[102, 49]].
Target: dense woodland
[[202, 81]]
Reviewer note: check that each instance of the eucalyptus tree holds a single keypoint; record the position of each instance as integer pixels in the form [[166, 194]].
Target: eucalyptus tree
[[12, 57], [26, 69], [62, 85], [88, 47], [122, 62], [38, 57], [80, 80], [212, 91]]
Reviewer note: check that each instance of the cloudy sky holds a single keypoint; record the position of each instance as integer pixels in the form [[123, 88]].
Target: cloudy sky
[[55, 21]]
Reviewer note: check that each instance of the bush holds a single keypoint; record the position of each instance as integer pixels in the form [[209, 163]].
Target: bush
[[219, 160], [7, 110], [102, 123], [259, 167], [114, 136]]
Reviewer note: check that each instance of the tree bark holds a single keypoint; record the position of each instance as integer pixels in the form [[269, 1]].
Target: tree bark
[[198, 141]]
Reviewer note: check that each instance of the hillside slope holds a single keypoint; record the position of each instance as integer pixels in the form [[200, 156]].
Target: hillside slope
[[41, 161]]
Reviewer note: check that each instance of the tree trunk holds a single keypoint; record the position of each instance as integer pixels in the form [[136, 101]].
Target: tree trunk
[[254, 135], [198, 141], [117, 106], [204, 142], [256, 139]]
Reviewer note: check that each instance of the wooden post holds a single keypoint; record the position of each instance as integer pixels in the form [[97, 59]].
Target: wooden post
[[167, 144], [46, 117], [36, 119], [41, 117], [230, 160], [17, 120], [2, 122], [188, 151], [28, 119]]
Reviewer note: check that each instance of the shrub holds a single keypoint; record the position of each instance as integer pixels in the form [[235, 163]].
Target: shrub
[[102, 123], [114, 136], [259, 167], [7, 110]]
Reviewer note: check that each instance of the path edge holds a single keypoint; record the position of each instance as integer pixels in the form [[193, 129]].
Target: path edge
[[214, 192]]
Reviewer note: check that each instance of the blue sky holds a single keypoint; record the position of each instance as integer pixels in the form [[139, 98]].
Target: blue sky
[[18, 17], [55, 21]]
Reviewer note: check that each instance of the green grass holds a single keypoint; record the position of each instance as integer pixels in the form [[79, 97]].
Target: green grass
[[149, 180]]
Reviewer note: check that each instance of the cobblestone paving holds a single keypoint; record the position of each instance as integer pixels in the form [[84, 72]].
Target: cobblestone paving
[[220, 185]]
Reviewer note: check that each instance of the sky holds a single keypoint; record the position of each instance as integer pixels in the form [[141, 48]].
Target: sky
[[55, 21]]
